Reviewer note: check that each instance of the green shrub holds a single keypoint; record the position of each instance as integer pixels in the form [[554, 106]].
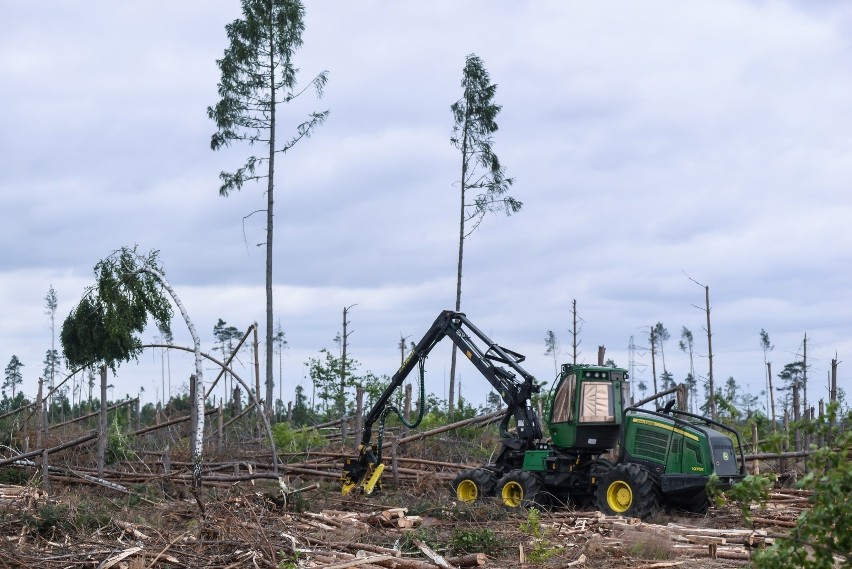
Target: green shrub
[[118, 444], [822, 538], [542, 548], [288, 439], [13, 475], [49, 520], [474, 541], [753, 489]]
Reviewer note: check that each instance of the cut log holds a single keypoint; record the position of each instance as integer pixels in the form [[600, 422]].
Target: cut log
[[706, 539], [469, 560], [431, 554], [358, 561], [771, 522]]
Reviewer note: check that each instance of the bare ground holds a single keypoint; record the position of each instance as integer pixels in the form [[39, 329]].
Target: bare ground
[[248, 525]]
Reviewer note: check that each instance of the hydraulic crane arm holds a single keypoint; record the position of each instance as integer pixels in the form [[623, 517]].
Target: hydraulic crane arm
[[484, 354]]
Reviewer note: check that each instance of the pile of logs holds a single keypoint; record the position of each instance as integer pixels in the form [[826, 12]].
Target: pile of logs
[[20, 498]]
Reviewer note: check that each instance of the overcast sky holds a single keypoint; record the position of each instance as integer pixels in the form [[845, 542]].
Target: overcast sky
[[650, 142]]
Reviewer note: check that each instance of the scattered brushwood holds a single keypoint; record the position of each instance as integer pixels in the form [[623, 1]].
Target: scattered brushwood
[[316, 527], [619, 537], [20, 498]]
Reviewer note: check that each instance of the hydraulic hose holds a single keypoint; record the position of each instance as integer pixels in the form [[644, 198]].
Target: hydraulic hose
[[393, 409]]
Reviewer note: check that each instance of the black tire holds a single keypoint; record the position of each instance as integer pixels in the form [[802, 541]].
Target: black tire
[[628, 490], [474, 484], [521, 488], [698, 504]]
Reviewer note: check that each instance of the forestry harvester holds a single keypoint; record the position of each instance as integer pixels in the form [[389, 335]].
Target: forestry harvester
[[663, 457]]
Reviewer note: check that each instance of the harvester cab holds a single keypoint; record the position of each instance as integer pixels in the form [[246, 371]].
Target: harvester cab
[[586, 408]]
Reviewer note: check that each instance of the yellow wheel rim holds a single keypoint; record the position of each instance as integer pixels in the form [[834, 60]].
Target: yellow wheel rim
[[512, 494], [467, 491], [619, 496]]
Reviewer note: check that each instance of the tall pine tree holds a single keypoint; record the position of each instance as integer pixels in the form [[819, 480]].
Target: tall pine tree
[[483, 185], [257, 77]]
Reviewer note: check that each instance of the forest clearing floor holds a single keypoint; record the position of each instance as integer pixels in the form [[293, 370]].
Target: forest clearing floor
[[419, 526]]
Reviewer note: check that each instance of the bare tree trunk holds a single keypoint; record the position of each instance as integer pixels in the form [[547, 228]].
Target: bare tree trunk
[[755, 465], [220, 431], [406, 409], [359, 414], [199, 378], [193, 414], [653, 358], [462, 192], [270, 203], [771, 396], [344, 345], [259, 409], [710, 354], [796, 418], [41, 418], [102, 423], [574, 342], [682, 396], [832, 392], [805, 374]]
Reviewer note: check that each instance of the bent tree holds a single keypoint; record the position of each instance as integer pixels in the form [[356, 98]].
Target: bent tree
[[258, 76], [483, 186], [103, 328]]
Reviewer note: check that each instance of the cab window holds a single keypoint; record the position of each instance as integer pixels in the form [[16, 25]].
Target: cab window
[[561, 412], [596, 404]]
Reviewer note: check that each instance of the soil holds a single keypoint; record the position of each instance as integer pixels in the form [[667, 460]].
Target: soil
[[249, 525]]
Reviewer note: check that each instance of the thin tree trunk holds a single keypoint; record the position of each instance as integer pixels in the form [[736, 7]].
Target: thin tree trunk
[[270, 202], [574, 342], [805, 375], [342, 406], [462, 190], [771, 396], [102, 423], [653, 360], [199, 377], [259, 410], [710, 354]]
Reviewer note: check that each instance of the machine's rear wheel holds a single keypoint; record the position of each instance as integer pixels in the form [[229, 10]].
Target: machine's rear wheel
[[474, 484], [628, 490], [520, 488]]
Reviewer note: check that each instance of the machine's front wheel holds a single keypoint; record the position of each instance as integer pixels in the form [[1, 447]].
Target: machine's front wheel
[[474, 484], [698, 504], [628, 490], [520, 488]]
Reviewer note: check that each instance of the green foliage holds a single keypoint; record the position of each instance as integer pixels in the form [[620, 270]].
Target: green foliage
[[466, 540], [426, 534], [101, 328], [475, 116], [49, 520], [11, 403], [13, 377], [13, 476], [53, 520], [823, 533], [542, 548], [753, 489], [325, 372], [302, 413], [257, 74], [118, 447], [288, 439]]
